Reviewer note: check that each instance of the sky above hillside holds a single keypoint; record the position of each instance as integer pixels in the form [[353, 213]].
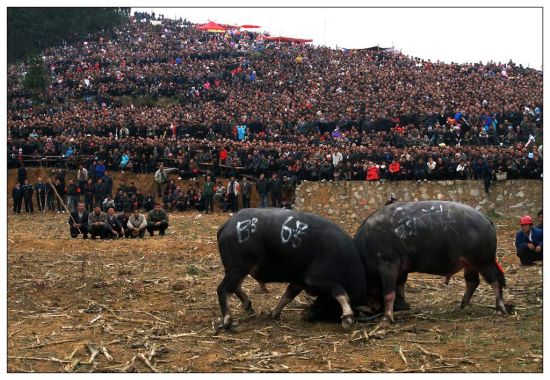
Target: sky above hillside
[[448, 34]]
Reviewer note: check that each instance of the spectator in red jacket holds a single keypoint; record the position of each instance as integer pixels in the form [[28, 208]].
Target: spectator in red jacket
[[394, 170], [223, 156], [373, 172]]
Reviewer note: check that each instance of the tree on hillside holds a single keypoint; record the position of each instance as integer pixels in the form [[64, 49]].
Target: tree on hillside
[[36, 79], [30, 30]]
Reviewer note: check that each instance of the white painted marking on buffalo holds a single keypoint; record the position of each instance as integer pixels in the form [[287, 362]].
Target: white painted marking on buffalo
[[288, 233], [245, 228]]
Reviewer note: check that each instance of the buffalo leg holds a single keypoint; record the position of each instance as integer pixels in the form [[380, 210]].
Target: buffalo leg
[[324, 309], [471, 276], [347, 314], [245, 300], [290, 293], [495, 277], [388, 277], [339, 294], [497, 288], [229, 285], [400, 303]]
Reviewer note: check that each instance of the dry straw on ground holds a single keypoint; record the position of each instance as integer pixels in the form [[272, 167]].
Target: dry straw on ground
[[149, 306]]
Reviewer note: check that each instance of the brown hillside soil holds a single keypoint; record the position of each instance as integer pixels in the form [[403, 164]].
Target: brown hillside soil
[[156, 297]]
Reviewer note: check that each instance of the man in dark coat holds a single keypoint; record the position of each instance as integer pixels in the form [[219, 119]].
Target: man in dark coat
[[157, 220], [247, 192], [208, 193], [275, 188], [27, 196], [118, 201], [73, 195], [539, 217], [115, 229], [17, 195], [60, 188], [131, 189], [50, 196], [148, 202], [139, 199], [22, 174], [484, 171], [78, 221], [97, 223], [262, 187], [41, 189], [88, 191], [123, 220], [108, 183], [100, 192]]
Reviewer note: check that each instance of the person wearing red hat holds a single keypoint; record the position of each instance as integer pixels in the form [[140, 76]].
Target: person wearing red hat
[[528, 242]]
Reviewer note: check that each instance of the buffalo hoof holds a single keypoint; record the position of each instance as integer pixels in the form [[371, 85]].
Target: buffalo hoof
[[464, 304], [250, 310], [347, 322], [227, 322], [362, 318], [260, 290], [367, 310], [402, 306], [388, 319], [501, 309], [217, 326], [221, 326], [275, 316]]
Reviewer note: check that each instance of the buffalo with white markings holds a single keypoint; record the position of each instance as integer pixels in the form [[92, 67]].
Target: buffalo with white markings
[[304, 250], [435, 237]]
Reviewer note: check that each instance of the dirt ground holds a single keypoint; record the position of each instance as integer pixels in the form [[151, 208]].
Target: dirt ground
[[150, 305]]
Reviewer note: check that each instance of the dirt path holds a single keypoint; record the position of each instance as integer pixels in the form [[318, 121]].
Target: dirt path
[[149, 305]]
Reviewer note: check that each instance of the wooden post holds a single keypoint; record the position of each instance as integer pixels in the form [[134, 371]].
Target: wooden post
[[63, 203]]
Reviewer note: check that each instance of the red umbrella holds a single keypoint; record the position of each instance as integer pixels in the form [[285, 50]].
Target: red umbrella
[[250, 26], [211, 26]]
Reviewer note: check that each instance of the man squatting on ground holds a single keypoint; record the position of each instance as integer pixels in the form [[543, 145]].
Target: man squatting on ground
[[528, 242]]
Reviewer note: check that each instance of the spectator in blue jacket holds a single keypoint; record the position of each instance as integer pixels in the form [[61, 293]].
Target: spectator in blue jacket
[[241, 132], [528, 242], [124, 161], [100, 170]]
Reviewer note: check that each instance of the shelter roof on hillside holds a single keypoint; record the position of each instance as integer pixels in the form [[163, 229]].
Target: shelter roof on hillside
[[287, 39], [212, 26]]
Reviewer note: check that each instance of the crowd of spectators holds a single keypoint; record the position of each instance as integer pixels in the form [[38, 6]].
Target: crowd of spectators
[[95, 189], [158, 90]]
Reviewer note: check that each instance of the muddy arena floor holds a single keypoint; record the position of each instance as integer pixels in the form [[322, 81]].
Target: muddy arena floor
[[150, 306]]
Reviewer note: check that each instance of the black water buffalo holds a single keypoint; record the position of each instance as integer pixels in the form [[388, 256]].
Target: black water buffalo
[[304, 250], [433, 237]]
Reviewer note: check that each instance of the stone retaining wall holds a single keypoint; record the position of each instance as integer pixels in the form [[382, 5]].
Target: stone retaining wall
[[355, 200]]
